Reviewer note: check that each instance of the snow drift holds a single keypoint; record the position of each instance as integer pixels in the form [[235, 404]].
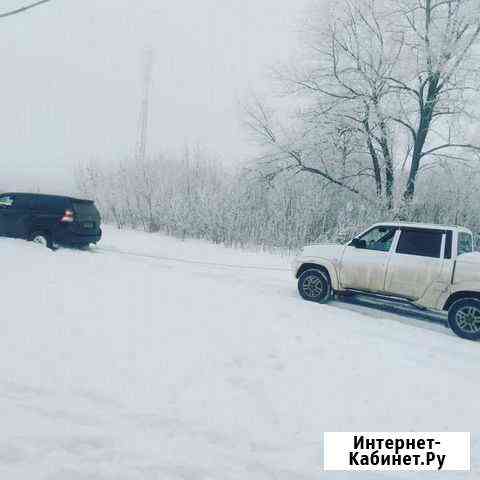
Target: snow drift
[[151, 358]]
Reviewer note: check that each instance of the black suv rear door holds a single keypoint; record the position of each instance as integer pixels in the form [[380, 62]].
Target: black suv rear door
[[87, 217]]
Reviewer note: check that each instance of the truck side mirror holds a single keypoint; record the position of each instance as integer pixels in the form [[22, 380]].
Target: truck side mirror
[[357, 243]]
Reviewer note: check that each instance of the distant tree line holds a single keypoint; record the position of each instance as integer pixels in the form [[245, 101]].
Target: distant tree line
[[192, 196]]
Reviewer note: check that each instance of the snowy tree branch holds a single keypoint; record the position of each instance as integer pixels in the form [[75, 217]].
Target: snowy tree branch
[[451, 145]]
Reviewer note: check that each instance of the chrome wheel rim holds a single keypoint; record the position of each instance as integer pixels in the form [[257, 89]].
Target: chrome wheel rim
[[313, 286], [41, 240], [468, 319]]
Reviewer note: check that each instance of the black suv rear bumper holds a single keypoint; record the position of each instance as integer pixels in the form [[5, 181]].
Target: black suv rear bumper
[[73, 239]]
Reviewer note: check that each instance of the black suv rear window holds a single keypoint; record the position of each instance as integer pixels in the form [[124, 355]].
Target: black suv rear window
[[85, 209]]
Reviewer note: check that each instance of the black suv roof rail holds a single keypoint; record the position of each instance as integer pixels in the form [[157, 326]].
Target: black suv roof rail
[[48, 195]]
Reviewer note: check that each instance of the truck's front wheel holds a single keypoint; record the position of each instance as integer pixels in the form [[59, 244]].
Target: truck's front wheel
[[314, 286], [464, 318]]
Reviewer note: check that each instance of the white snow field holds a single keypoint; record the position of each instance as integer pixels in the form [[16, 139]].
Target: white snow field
[[124, 364]]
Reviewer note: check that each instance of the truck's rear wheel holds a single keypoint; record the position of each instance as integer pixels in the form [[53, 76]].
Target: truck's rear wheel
[[464, 318], [314, 286]]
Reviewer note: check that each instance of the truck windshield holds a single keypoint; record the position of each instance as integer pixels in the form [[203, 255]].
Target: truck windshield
[[465, 243]]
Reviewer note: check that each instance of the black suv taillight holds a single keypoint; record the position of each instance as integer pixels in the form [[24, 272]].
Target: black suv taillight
[[68, 217]]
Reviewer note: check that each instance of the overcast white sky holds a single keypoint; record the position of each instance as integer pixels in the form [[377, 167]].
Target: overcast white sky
[[71, 77]]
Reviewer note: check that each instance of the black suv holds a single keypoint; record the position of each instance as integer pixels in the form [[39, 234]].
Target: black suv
[[49, 219]]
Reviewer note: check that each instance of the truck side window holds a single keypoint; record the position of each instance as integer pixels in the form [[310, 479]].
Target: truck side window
[[423, 243], [379, 238], [465, 243]]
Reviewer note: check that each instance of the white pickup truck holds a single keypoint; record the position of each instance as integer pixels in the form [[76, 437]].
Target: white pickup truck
[[432, 267]]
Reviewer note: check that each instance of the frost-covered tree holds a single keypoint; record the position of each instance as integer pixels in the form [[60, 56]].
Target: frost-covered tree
[[390, 80], [192, 195], [326, 147], [435, 90]]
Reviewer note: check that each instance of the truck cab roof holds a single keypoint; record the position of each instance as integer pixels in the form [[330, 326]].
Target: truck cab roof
[[426, 226]]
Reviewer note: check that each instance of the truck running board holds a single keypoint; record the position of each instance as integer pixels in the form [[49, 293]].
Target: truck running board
[[379, 296]]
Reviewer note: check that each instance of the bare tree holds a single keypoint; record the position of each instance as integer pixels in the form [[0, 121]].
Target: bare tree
[[400, 75], [23, 9], [359, 56], [345, 80], [441, 34], [330, 155]]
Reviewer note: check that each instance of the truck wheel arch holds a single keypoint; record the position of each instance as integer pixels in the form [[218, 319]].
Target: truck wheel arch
[[458, 296], [323, 268]]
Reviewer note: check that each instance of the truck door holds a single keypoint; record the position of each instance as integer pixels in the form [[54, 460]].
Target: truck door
[[417, 262], [364, 262]]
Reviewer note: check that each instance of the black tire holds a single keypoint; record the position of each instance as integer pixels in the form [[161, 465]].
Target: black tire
[[314, 286], [43, 238], [464, 318]]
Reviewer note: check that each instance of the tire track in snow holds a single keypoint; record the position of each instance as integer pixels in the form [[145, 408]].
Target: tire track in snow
[[361, 305], [187, 261]]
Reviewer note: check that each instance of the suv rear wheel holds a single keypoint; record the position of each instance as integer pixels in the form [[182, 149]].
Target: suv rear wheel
[[314, 286], [42, 238], [464, 318]]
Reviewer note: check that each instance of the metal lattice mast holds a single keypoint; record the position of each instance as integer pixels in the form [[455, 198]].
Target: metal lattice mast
[[142, 140]]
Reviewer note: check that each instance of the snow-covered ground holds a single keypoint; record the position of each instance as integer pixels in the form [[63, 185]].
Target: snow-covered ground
[[152, 358]]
